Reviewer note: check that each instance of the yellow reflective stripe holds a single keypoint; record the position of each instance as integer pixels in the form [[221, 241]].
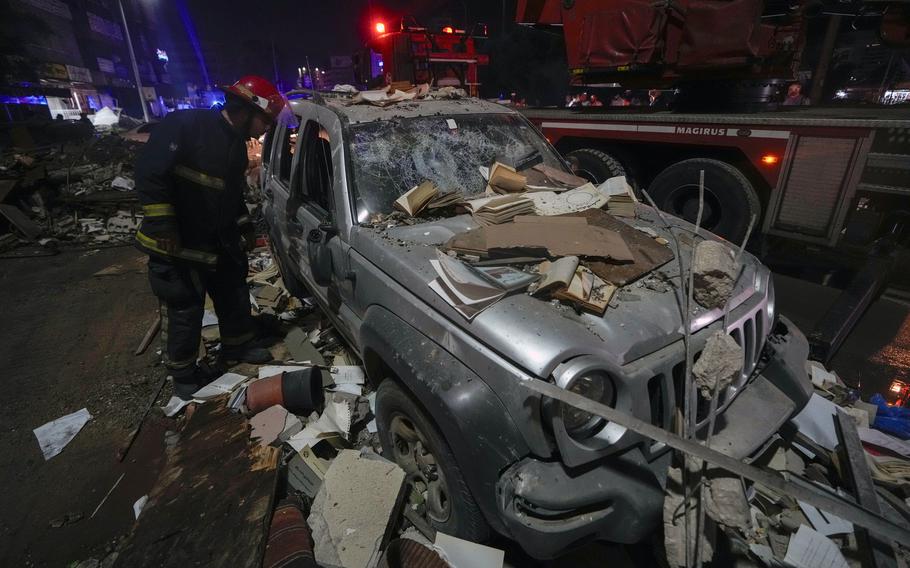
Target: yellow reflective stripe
[[199, 177], [158, 210], [184, 253]]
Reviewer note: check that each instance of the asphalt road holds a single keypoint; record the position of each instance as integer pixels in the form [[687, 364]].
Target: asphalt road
[[878, 349]]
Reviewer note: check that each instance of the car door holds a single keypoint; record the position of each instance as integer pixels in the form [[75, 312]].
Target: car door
[[276, 189], [319, 227]]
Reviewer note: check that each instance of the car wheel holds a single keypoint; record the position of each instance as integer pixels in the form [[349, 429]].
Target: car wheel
[[596, 166], [410, 439], [730, 199]]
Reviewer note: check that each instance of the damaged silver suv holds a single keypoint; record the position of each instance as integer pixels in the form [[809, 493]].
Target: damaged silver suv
[[483, 451]]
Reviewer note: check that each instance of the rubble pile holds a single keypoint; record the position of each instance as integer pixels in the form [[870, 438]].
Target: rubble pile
[[770, 529], [76, 193]]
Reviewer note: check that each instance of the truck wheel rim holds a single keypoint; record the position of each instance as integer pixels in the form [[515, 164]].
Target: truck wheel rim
[[413, 454], [683, 202]]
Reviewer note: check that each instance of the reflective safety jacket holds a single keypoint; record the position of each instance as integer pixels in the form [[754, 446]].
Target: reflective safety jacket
[[190, 181]]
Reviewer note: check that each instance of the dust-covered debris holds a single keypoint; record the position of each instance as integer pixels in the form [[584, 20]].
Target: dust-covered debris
[[720, 363], [715, 274]]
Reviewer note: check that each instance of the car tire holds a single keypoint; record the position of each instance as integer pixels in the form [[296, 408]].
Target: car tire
[[396, 413], [596, 166], [730, 199]]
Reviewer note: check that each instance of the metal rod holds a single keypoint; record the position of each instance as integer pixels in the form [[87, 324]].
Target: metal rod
[[814, 496], [108, 494], [129, 44]]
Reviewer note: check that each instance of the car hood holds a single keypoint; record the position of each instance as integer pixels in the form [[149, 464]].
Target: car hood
[[538, 334]]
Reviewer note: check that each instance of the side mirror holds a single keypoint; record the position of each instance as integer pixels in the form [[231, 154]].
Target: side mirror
[[319, 256]]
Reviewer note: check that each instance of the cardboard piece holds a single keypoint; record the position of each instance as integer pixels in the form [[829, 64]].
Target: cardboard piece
[[414, 200], [572, 239], [301, 349], [647, 254]]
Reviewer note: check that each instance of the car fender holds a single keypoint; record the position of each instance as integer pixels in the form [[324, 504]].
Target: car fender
[[468, 414]]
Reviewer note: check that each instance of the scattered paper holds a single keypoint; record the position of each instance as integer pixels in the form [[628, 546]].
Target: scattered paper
[[450, 122], [466, 554], [820, 376], [371, 426], [817, 422], [335, 420], [175, 405], [209, 318], [356, 390], [348, 374], [550, 203], [56, 434], [809, 549], [824, 522], [222, 385], [882, 440], [139, 505], [765, 554]]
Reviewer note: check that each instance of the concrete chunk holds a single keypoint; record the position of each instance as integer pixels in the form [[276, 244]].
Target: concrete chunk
[[720, 363], [355, 509], [715, 274]]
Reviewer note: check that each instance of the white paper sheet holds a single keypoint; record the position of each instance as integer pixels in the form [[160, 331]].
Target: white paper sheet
[[824, 522], [209, 318], [882, 440], [56, 434], [371, 426], [222, 385], [817, 422], [356, 390], [175, 405], [465, 554], [809, 549], [348, 375], [336, 418], [139, 505]]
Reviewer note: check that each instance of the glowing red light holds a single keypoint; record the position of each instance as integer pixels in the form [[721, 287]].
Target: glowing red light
[[380, 28], [770, 159], [448, 30]]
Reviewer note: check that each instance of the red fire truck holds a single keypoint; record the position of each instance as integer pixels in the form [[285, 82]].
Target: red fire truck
[[440, 56], [824, 176]]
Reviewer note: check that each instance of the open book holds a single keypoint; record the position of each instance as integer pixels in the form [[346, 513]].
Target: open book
[[415, 199], [470, 291]]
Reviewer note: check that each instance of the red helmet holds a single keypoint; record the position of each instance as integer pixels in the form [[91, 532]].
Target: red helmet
[[260, 93]]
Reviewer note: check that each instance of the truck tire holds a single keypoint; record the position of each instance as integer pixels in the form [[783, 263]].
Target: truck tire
[[730, 199], [596, 166], [405, 431]]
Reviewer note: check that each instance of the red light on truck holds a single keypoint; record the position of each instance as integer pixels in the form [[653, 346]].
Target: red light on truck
[[448, 30], [380, 27], [770, 159]]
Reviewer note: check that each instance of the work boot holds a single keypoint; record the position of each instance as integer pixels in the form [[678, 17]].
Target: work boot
[[247, 352], [187, 383]]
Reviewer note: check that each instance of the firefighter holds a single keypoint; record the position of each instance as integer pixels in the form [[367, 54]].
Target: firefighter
[[196, 231]]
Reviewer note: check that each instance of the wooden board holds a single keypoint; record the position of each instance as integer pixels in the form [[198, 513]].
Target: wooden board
[[212, 504], [647, 254], [29, 228]]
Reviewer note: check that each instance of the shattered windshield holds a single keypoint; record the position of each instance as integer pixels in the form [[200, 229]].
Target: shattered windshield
[[390, 157]]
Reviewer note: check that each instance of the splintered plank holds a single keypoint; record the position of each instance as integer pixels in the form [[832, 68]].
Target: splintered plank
[[213, 501]]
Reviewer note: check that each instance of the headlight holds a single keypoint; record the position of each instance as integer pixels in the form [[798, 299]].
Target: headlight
[[595, 386], [770, 307]]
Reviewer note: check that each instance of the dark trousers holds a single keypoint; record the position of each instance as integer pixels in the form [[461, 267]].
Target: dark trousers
[[181, 290]]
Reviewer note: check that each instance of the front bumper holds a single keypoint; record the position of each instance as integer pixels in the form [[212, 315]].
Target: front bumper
[[549, 508]]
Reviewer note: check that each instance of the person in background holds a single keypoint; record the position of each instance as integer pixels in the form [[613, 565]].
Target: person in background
[[795, 96], [657, 100], [596, 102]]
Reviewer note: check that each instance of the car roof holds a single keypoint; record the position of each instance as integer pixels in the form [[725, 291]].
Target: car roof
[[360, 113]]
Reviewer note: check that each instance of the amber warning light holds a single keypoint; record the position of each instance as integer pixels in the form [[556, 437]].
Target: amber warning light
[[770, 159], [380, 27]]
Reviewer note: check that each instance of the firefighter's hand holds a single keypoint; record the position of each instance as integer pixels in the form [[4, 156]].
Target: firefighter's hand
[[168, 242]]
